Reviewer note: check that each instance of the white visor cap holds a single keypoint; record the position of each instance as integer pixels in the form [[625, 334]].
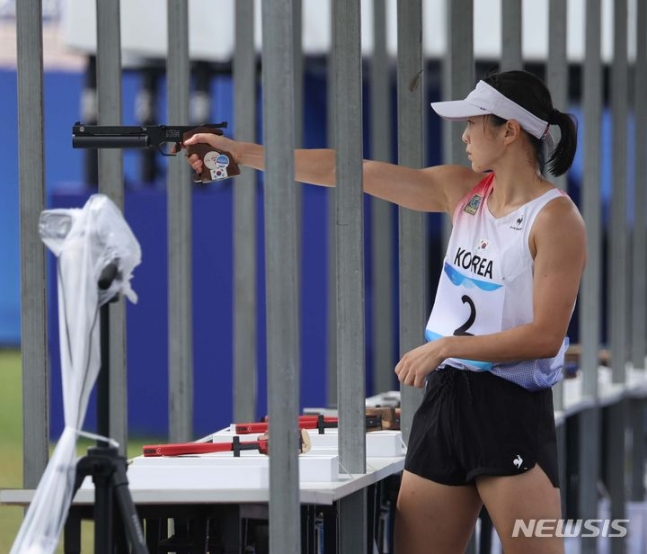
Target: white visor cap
[[485, 99]]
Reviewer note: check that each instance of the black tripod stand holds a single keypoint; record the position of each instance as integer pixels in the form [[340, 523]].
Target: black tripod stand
[[103, 462]]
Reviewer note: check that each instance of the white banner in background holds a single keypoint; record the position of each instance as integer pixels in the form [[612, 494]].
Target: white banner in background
[[212, 26]]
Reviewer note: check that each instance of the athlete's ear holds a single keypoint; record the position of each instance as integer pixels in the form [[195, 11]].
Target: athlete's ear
[[512, 130]]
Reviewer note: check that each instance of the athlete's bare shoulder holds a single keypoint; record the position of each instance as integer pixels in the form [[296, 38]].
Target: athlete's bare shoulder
[[561, 208], [559, 222], [454, 180]]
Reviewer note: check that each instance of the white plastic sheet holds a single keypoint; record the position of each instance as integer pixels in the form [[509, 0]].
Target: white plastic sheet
[[85, 241]]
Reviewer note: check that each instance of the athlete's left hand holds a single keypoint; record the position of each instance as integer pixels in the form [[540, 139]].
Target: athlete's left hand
[[416, 364]]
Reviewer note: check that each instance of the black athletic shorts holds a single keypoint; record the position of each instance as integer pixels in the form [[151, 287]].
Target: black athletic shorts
[[475, 423]]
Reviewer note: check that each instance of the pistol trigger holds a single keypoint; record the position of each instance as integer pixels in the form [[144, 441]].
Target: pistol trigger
[[171, 152]]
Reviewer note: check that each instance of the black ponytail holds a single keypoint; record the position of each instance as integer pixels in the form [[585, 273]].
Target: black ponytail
[[562, 157], [530, 92]]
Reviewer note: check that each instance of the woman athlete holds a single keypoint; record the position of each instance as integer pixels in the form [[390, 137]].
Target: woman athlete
[[484, 434]]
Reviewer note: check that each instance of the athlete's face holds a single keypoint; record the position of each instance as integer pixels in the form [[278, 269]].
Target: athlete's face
[[483, 143]]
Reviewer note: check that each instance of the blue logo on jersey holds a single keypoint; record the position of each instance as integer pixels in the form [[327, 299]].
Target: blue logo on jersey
[[457, 278]]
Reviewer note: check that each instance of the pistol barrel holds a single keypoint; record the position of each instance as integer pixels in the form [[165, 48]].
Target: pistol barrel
[[110, 141]]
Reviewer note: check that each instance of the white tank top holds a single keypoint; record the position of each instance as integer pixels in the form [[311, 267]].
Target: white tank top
[[486, 283]]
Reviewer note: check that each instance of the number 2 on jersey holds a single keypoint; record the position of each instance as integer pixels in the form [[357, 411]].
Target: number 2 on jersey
[[462, 330]]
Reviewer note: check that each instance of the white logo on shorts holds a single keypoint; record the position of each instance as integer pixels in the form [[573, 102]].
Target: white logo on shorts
[[518, 461]]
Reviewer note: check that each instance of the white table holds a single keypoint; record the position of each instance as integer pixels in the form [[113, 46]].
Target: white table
[[188, 488]]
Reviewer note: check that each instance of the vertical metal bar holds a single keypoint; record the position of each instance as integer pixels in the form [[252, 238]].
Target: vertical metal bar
[[639, 292], [281, 274], [297, 50], [562, 450], [590, 313], [381, 211], [110, 164], [297, 9], [557, 66], [557, 81], [511, 45], [352, 522], [349, 202], [637, 419], [618, 251], [458, 73], [589, 305], [33, 281], [180, 298], [350, 239], [331, 367], [245, 298], [618, 263], [615, 474], [109, 96], [412, 234], [639, 285], [458, 80], [589, 430], [331, 324]]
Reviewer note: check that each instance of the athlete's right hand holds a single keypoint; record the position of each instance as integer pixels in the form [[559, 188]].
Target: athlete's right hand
[[219, 143]]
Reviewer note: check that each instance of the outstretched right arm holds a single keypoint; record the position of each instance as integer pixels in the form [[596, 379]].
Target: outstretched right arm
[[433, 189]]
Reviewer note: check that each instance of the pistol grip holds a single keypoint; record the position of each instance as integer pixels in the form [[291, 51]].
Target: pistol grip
[[216, 165]]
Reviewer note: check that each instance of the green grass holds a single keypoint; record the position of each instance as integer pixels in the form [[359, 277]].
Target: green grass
[[11, 444]]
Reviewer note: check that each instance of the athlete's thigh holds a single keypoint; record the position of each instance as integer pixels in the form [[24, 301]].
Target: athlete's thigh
[[432, 518], [527, 496]]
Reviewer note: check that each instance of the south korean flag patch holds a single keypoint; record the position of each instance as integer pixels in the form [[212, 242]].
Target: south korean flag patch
[[217, 164]]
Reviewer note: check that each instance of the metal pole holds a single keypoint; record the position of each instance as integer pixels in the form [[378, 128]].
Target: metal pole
[[639, 285], [245, 197], [180, 298], [557, 66], [297, 42], [297, 8], [110, 164], [412, 225], [590, 312], [281, 275], [350, 239], [589, 305], [381, 211], [331, 366], [639, 268], [458, 74], [637, 419], [351, 345], [618, 252], [511, 51], [618, 265], [33, 281], [458, 80], [557, 81]]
